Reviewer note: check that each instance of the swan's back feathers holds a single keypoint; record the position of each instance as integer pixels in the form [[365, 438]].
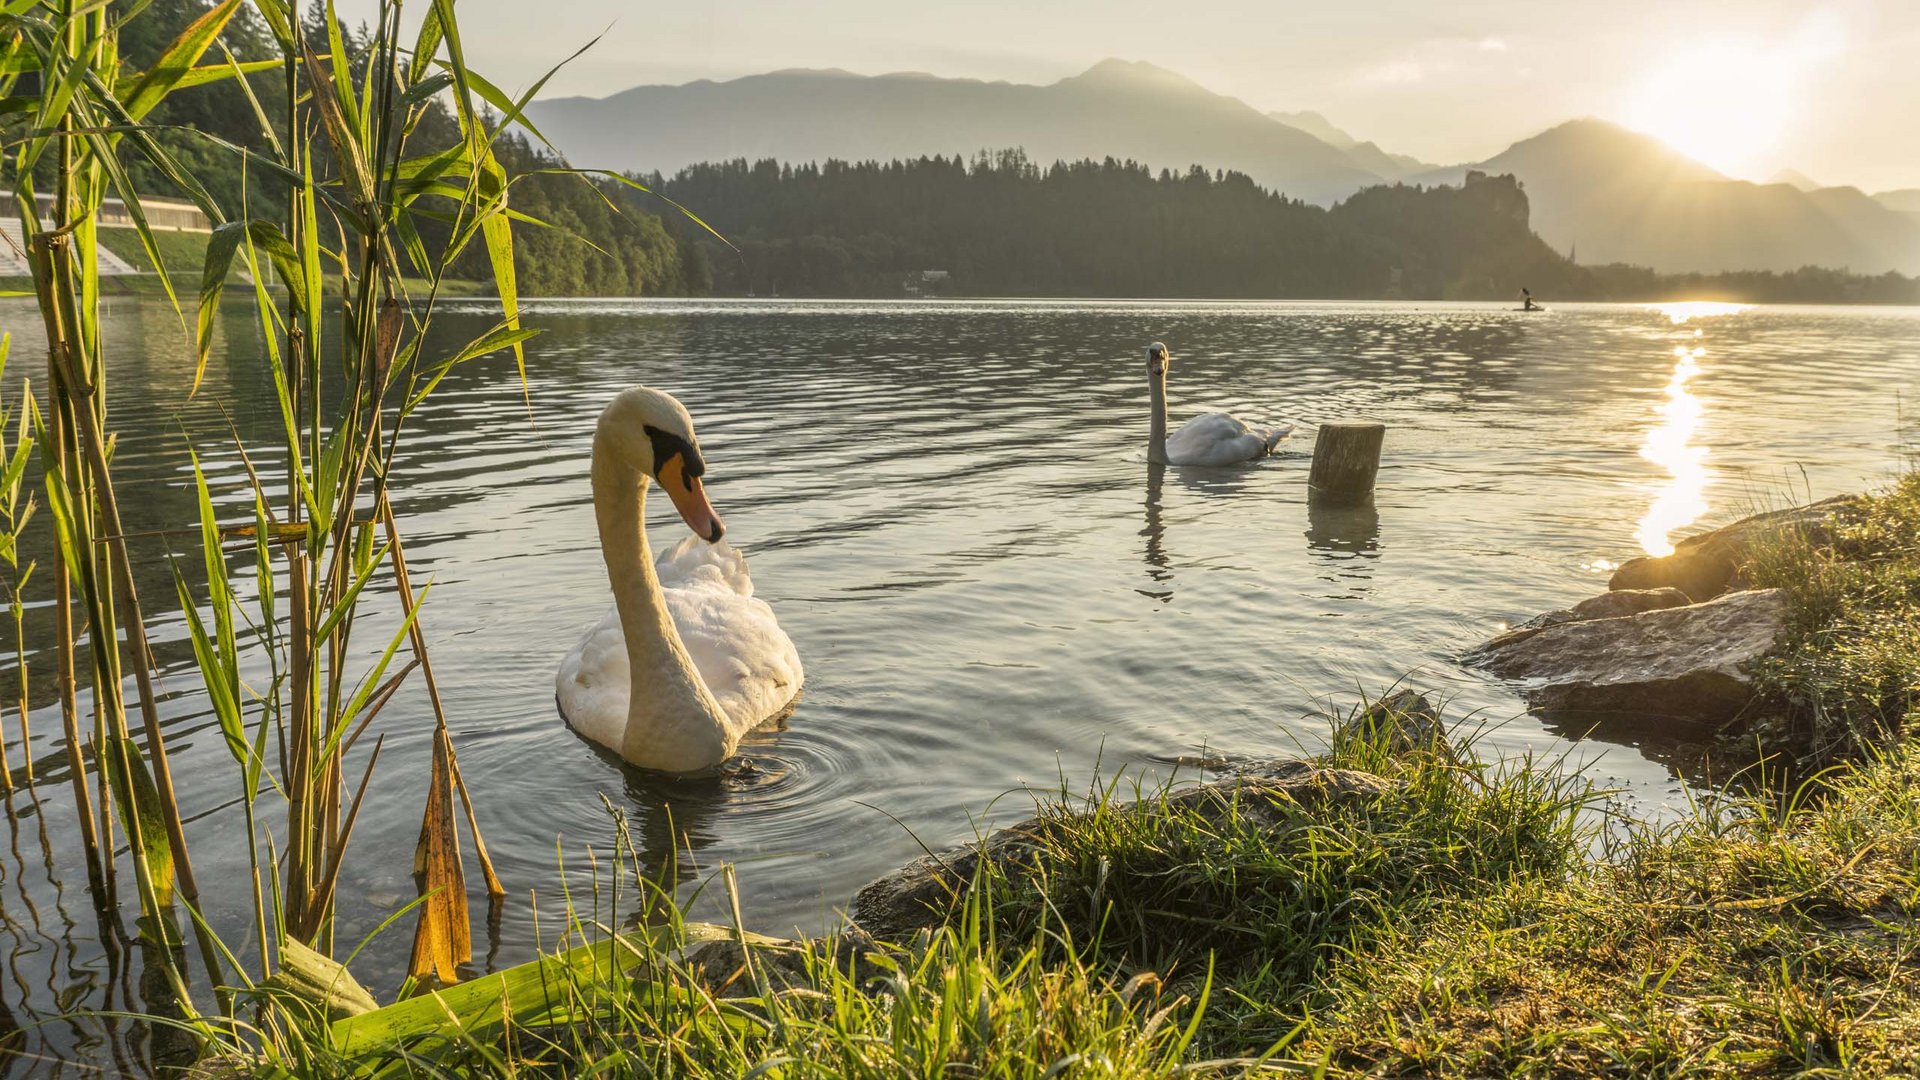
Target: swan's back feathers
[[591, 686], [693, 561], [1218, 438], [748, 662]]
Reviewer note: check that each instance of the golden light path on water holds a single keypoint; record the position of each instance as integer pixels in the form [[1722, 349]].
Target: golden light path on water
[[1670, 445], [1687, 310], [1683, 499]]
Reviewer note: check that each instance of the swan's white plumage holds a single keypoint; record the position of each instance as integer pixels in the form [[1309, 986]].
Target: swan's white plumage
[[749, 664], [1219, 438]]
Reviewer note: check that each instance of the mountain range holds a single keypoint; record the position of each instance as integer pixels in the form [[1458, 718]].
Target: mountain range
[[1613, 195], [1597, 189], [1116, 108]]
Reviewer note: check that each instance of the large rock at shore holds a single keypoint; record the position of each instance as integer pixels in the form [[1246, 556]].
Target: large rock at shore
[[928, 891], [1611, 605], [1686, 665], [1707, 565]]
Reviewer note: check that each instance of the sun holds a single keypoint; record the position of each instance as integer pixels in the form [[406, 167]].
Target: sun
[[1729, 104], [1724, 105]]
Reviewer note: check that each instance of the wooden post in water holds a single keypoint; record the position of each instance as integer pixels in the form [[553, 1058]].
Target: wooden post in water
[[1346, 456]]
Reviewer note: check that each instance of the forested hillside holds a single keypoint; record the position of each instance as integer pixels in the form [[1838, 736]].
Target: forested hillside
[[1001, 225], [594, 244]]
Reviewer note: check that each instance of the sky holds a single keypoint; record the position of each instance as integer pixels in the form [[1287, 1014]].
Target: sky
[[1750, 87]]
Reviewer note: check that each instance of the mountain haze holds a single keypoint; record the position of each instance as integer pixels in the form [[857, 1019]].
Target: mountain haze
[[1619, 196], [1116, 108], [1367, 155], [1610, 194], [1906, 199]]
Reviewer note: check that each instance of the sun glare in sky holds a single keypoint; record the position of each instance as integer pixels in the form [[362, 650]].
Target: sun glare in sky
[[1729, 104]]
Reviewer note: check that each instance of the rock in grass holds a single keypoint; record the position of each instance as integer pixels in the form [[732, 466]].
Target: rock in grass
[[925, 893], [1707, 565], [1684, 666], [1403, 722], [721, 967]]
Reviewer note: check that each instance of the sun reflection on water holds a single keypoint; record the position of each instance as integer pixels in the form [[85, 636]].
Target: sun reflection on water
[[1681, 311], [1669, 445]]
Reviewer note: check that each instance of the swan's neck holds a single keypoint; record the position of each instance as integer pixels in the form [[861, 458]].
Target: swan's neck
[[673, 722], [1157, 433]]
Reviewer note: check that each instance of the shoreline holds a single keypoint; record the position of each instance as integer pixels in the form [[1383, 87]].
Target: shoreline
[[1285, 915]]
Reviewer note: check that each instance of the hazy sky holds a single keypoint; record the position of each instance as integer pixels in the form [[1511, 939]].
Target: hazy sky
[[1748, 86]]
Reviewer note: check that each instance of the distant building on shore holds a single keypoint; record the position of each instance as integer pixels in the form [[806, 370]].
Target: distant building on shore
[[925, 282], [168, 215], [163, 215]]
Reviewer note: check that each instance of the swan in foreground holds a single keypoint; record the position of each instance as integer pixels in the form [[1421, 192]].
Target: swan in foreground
[[709, 660], [1215, 438]]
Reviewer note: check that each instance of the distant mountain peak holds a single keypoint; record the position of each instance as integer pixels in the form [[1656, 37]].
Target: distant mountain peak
[[1114, 71], [1318, 126], [817, 73], [1795, 179], [1592, 139]]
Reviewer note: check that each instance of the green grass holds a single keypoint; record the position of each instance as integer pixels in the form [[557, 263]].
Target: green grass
[[1457, 919], [1848, 666], [1741, 941], [184, 253]]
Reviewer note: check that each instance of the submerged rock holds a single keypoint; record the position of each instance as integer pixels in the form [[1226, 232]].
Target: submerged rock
[[1685, 665], [1707, 565], [925, 893]]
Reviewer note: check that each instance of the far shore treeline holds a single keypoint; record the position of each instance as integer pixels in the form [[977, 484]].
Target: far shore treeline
[[1001, 225], [994, 224]]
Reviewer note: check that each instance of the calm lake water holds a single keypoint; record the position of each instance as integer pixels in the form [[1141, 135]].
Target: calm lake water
[[949, 507]]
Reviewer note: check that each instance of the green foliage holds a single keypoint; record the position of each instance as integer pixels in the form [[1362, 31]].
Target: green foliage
[[1002, 225], [595, 243], [1444, 919], [186, 118], [1738, 941], [1282, 886], [1849, 664]]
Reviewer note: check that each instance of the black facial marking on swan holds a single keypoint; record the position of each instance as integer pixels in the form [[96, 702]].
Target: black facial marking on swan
[[666, 444]]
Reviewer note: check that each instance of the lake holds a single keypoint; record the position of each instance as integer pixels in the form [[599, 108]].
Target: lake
[[949, 507]]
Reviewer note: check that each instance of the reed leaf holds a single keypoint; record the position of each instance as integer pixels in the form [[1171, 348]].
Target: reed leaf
[[500, 337], [207, 74], [528, 995], [441, 941], [141, 814], [177, 60]]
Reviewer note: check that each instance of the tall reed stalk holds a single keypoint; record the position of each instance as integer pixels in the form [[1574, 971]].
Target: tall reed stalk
[[345, 279]]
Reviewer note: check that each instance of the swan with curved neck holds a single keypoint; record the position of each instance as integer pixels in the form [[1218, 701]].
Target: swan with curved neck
[[1214, 438], [688, 661]]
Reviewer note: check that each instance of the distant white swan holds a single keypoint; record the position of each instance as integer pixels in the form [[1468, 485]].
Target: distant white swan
[[709, 660], [1208, 439]]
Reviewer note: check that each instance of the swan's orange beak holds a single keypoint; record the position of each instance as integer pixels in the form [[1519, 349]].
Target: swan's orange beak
[[691, 500]]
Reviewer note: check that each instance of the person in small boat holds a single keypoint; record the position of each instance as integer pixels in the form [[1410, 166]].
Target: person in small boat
[[1528, 304]]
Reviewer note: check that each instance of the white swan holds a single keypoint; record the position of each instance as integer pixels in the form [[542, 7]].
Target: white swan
[[709, 660], [1208, 439]]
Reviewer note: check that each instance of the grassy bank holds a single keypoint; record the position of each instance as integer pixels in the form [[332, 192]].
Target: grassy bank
[[1848, 667], [1399, 908], [1451, 919]]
